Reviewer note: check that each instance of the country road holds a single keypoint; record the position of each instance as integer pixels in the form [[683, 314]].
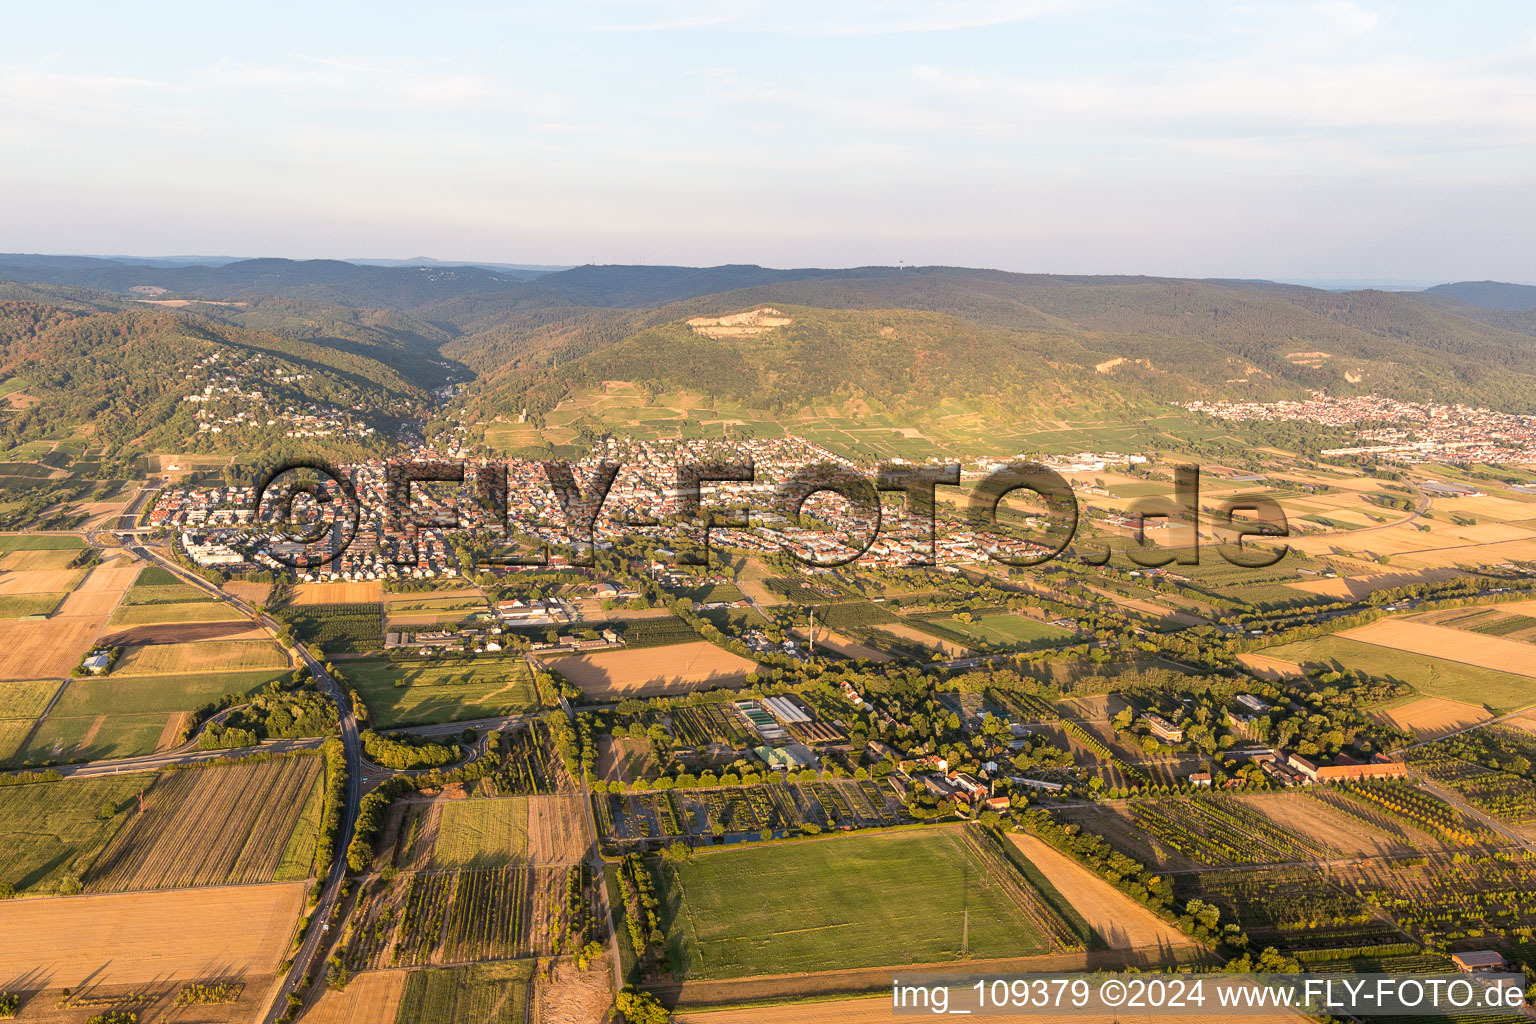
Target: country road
[[319, 931]]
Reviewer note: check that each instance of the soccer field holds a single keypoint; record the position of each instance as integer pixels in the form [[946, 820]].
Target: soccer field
[[856, 901]]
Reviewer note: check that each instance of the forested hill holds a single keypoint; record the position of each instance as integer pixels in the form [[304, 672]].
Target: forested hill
[[143, 379], [375, 340]]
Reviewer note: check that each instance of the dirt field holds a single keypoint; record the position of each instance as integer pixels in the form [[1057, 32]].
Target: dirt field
[[1308, 817], [1493, 652], [928, 640], [555, 832], [256, 593], [1266, 667], [1120, 921], [840, 644], [129, 938], [370, 998], [1432, 717], [186, 633], [673, 669], [572, 996], [336, 593], [201, 656]]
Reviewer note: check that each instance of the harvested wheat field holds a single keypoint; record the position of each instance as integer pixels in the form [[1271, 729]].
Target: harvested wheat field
[[125, 939], [40, 581], [675, 668], [102, 590], [370, 998], [200, 656], [1120, 921], [1266, 667], [336, 593], [49, 649], [1429, 718], [1493, 652]]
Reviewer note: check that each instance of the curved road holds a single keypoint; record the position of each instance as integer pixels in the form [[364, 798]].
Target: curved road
[[319, 930]]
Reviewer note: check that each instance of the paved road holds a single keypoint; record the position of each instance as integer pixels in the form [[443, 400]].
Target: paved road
[[153, 762], [318, 936]]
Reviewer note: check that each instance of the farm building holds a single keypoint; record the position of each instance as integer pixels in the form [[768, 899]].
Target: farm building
[[1479, 960], [1346, 767]]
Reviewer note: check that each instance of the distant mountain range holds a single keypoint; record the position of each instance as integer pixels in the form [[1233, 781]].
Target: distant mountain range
[[894, 344]]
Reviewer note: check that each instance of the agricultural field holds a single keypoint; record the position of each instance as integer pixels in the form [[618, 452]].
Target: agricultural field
[[336, 627], [188, 611], [1484, 650], [1429, 718], [678, 668], [223, 825], [26, 699], [1222, 831], [142, 938], [371, 998], [16, 606], [101, 717], [1119, 921], [484, 993], [206, 656], [420, 693], [482, 833], [51, 831], [1431, 676], [1001, 631], [40, 542], [335, 593], [852, 901]]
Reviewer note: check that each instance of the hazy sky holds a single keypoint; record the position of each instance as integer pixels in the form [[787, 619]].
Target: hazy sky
[[1300, 140]]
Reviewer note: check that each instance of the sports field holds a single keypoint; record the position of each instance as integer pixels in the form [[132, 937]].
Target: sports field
[[427, 692], [1434, 677], [856, 901]]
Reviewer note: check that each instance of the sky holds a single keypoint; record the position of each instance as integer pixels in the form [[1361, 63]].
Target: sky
[[1340, 139]]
